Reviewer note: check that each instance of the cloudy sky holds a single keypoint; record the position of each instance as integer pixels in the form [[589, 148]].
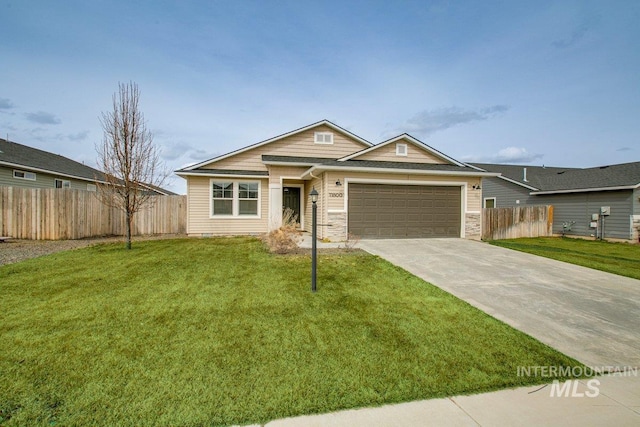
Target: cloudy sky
[[531, 82]]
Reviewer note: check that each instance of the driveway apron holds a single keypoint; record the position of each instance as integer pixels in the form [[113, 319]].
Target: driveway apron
[[587, 314]]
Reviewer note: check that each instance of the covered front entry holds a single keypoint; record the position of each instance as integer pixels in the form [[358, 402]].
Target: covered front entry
[[291, 200], [382, 211]]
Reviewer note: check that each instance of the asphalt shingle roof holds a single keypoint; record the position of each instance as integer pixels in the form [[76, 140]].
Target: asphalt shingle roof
[[29, 157], [367, 164], [34, 158], [558, 179]]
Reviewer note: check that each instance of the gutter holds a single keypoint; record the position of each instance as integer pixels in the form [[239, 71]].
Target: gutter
[[321, 168], [50, 172], [585, 190]]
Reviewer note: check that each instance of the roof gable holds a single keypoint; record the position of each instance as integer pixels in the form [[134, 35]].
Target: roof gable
[[321, 125], [385, 151]]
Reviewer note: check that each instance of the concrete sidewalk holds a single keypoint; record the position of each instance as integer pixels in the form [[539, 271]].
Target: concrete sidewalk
[[617, 404]]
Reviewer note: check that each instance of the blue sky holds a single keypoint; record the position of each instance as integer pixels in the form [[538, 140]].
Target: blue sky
[[554, 83]]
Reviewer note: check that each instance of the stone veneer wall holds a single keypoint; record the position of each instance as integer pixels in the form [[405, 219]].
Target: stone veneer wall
[[473, 226], [337, 227], [635, 228]]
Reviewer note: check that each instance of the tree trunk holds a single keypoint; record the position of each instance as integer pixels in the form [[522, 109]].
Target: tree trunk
[[129, 221]]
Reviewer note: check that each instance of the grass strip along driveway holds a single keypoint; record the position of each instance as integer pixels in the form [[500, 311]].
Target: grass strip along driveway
[[219, 331], [616, 258]]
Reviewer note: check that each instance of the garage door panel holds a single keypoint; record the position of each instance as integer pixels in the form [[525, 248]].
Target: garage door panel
[[397, 211]]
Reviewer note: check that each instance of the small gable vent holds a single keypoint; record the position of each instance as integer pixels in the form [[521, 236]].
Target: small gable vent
[[323, 138], [401, 149]]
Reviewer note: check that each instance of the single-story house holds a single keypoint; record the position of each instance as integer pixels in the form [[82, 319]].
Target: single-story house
[[399, 188], [577, 194], [23, 166]]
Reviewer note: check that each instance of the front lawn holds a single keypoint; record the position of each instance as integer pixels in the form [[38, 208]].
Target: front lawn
[[218, 331], [616, 258]]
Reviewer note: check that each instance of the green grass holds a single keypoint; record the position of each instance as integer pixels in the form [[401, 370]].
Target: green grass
[[218, 331], [616, 258]]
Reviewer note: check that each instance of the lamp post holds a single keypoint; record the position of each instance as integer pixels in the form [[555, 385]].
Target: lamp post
[[314, 234]]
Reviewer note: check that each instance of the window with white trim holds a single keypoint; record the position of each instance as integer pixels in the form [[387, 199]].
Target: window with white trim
[[235, 198], [62, 183], [30, 176], [247, 198], [323, 138], [401, 149], [92, 187], [489, 202], [222, 198]]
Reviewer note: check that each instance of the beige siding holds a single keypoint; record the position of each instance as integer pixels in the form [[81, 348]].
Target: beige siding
[[276, 172], [387, 153], [301, 144], [200, 222]]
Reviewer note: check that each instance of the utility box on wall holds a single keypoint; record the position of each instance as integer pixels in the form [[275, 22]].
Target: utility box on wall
[[605, 210]]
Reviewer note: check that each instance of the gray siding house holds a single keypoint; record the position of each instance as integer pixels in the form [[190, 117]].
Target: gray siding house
[[23, 166], [575, 193]]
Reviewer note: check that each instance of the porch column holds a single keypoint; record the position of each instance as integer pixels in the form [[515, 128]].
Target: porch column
[[275, 206]]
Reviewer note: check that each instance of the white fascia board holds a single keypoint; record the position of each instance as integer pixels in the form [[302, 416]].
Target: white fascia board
[[50, 172], [585, 190], [279, 137], [222, 175], [320, 169], [405, 136]]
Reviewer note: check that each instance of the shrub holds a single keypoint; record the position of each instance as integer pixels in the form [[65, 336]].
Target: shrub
[[286, 238]]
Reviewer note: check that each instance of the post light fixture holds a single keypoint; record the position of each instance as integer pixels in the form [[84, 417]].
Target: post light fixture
[[314, 236]]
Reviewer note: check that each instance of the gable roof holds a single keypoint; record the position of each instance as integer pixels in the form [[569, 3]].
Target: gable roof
[[17, 155], [551, 180], [20, 156], [278, 138], [406, 137]]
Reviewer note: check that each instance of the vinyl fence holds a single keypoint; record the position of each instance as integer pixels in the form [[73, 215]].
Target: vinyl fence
[[56, 214], [521, 221]]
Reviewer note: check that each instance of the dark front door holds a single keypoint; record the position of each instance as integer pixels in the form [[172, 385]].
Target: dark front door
[[291, 200]]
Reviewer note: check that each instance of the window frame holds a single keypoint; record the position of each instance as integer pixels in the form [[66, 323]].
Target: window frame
[[484, 202], [92, 187], [25, 175], [316, 139], [235, 204], [404, 153], [62, 183]]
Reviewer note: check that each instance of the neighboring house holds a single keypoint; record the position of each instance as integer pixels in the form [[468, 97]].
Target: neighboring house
[[575, 193], [399, 188], [23, 166]]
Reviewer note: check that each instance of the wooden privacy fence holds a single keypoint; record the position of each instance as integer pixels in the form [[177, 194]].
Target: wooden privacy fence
[[521, 221], [56, 214]]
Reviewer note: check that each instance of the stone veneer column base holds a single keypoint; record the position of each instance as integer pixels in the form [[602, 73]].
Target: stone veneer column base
[[337, 228], [473, 226]]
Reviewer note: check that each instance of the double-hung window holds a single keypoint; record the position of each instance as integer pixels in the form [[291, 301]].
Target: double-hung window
[[235, 199], [247, 198], [222, 203]]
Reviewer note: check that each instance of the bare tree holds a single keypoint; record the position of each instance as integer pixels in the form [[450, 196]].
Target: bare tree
[[127, 156]]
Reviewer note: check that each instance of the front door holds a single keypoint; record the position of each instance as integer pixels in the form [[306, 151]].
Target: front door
[[291, 200]]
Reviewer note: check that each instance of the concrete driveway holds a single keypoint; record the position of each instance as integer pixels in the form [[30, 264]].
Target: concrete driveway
[[587, 314]]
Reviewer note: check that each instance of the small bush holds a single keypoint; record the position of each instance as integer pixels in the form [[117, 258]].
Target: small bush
[[286, 238], [351, 242]]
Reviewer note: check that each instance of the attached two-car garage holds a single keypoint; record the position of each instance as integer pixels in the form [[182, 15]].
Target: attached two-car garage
[[404, 211]]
